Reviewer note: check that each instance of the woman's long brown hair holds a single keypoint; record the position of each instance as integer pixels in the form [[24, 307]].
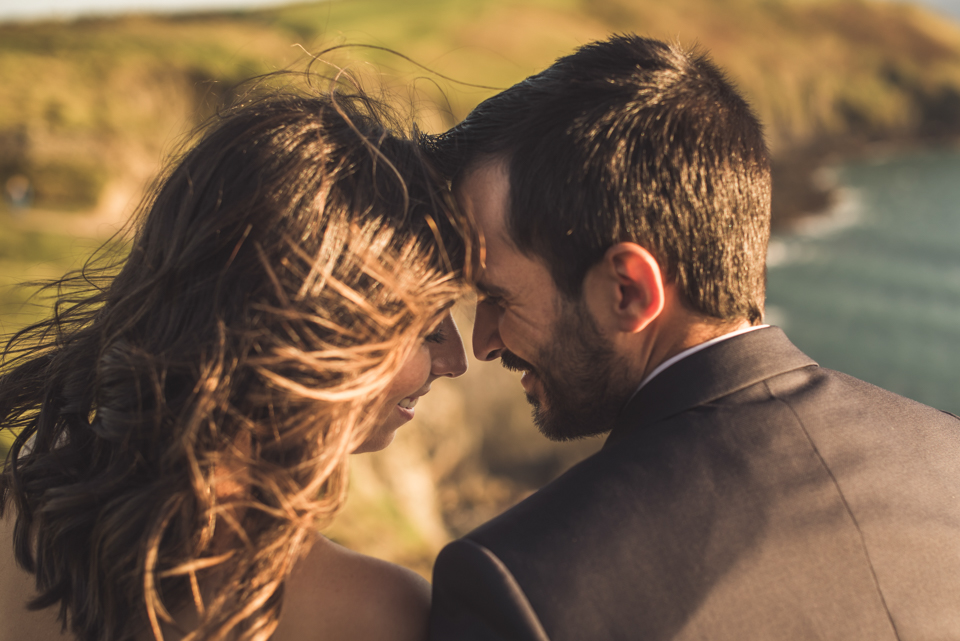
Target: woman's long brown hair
[[184, 419]]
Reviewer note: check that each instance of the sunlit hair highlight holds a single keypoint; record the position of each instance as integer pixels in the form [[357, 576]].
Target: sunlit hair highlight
[[184, 418]]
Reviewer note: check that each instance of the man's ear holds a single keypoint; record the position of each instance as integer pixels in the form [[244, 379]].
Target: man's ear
[[624, 291]]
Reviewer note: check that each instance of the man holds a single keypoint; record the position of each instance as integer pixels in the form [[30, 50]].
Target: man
[[743, 492]]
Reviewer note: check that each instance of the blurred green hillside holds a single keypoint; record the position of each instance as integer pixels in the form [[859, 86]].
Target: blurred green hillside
[[89, 104], [90, 109]]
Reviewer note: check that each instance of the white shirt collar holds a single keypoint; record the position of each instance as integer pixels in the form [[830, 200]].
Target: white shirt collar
[[692, 350]]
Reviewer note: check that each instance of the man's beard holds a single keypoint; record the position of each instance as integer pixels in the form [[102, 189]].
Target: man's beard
[[581, 377]]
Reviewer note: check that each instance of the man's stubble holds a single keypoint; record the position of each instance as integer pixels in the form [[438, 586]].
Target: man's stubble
[[581, 378]]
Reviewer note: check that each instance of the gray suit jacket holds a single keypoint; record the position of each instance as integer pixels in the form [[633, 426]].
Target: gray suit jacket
[[746, 493]]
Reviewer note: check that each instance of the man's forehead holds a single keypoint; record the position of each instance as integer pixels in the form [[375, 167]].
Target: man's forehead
[[484, 193]]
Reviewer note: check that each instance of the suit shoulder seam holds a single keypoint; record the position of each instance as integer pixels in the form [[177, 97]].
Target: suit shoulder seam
[[843, 499]]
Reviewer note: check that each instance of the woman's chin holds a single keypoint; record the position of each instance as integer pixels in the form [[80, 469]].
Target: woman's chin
[[382, 435], [379, 439]]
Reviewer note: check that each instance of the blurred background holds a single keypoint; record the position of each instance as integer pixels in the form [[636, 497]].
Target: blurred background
[[860, 99]]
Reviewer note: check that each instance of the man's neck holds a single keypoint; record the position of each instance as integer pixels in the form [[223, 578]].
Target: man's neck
[[676, 332], [701, 332]]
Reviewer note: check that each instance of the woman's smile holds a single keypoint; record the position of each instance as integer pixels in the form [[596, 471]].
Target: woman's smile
[[440, 354]]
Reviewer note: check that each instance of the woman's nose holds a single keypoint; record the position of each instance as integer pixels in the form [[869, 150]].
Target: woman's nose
[[448, 358]]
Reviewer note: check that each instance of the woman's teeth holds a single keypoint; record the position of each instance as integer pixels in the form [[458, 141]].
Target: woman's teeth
[[408, 403]]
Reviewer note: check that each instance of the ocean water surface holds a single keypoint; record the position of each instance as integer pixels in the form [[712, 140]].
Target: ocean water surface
[[873, 288]]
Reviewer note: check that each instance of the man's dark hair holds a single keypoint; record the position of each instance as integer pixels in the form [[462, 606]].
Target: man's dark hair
[[631, 139]]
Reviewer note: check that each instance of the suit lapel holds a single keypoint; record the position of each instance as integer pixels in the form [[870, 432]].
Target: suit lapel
[[709, 374]]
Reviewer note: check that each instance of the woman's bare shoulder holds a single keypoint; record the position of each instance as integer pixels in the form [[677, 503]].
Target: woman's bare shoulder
[[335, 593]]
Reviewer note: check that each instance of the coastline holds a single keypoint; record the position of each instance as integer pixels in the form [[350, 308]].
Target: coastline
[[801, 188]]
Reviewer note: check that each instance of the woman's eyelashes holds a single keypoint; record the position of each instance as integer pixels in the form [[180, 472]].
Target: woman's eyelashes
[[436, 336]]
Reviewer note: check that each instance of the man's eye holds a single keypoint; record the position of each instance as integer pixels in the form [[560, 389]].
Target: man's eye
[[492, 300]]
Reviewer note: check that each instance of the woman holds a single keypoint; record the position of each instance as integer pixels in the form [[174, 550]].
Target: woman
[[184, 425]]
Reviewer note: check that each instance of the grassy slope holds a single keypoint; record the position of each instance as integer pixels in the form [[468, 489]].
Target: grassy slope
[[106, 99], [810, 67], [100, 101]]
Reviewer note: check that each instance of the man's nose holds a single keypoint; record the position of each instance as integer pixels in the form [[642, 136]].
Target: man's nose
[[449, 357], [487, 345]]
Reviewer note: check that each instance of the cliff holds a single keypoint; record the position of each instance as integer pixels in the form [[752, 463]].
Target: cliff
[[90, 104]]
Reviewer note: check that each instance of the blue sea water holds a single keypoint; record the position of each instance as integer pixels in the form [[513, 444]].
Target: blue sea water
[[873, 288]]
